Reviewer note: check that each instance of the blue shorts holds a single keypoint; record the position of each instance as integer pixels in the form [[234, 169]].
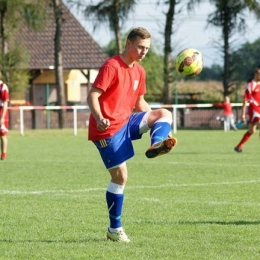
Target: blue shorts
[[119, 148]]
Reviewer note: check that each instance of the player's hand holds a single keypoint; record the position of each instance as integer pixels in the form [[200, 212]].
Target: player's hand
[[103, 124], [243, 118]]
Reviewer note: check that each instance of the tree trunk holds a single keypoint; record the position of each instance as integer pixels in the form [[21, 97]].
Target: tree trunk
[[3, 11], [117, 32], [168, 63], [118, 41], [58, 61], [226, 36]]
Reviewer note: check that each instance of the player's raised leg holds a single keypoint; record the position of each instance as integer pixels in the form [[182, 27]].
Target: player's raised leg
[[160, 122]]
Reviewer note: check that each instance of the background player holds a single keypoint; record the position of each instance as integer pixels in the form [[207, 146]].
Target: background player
[[229, 116], [4, 119], [252, 95]]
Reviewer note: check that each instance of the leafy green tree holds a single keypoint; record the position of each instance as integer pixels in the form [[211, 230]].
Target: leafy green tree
[[111, 48], [153, 64], [14, 57], [229, 16], [113, 12], [246, 59], [15, 73], [212, 73]]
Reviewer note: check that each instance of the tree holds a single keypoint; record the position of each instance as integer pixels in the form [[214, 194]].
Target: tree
[[212, 73], [168, 61], [58, 60], [229, 16], [14, 57], [153, 64], [115, 12], [246, 59]]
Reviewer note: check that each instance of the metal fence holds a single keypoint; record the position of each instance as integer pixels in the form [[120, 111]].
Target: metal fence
[[195, 116], [46, 117]]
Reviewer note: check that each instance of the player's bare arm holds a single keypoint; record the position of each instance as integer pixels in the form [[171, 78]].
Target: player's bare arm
[[141, 104], [243, 113], [94, 106]]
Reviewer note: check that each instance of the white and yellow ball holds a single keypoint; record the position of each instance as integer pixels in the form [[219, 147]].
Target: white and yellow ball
[[189, 62]]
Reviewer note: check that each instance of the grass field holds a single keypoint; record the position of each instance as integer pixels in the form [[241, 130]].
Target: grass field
[[199, 202]]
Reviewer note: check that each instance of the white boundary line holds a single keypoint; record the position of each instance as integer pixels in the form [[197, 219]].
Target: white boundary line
[[59, 192]]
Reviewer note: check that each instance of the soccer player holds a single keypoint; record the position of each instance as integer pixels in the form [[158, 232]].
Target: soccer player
[[252, 95], [119, 89], [229, 116], [4, 119]]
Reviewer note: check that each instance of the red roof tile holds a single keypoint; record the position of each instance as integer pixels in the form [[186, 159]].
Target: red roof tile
[[79, 50]]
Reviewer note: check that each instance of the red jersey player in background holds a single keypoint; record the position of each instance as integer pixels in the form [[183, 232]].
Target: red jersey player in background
[[119, 89], [251, 96], [229, 116], [4, 119], [229, 119]]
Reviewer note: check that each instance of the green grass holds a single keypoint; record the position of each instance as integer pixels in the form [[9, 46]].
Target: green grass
[[199, 202]]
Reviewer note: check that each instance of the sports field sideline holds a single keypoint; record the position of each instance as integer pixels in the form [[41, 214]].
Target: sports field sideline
[[201, 201]]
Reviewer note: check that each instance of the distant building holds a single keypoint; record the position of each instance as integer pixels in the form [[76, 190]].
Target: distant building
[[82, 57]]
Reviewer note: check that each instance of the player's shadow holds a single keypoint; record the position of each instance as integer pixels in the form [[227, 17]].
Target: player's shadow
[[50, 241], [232, 223], [200, 222]]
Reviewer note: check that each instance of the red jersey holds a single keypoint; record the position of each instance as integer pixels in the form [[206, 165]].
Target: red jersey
[[4, 93], [121, 86], [252, 95], [227, 109], [4, 96]]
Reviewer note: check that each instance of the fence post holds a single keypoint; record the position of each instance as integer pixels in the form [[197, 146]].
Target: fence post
[[47, 90], [21, 121], [174, 114], [75, 120]]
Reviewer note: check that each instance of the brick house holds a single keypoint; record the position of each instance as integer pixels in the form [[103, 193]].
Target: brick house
[[82, 56]]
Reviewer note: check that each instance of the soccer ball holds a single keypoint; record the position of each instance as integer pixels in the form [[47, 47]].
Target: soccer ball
[[189, 62]]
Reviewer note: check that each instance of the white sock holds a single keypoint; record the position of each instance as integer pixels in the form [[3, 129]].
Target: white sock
[[113, 230]]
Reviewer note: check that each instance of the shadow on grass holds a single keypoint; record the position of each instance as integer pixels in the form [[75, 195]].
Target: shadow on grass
[[50, 241], [232, 223], [206, 222]]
